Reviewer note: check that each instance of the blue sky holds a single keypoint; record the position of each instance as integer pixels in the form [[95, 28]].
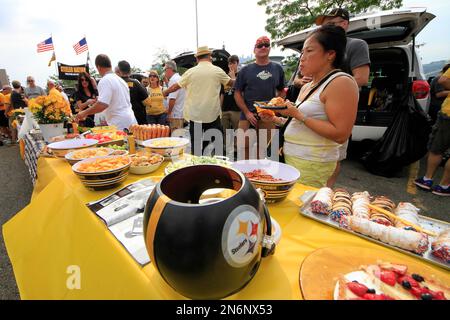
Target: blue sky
[[136, 32], [436, 33]]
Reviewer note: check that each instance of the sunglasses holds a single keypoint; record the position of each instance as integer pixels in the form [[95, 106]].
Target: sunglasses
[[153, 76], [261, 45], [83, 80], [30, 80]]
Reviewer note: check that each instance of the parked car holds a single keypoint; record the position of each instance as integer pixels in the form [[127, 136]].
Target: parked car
[[395, 67], [187, 60]]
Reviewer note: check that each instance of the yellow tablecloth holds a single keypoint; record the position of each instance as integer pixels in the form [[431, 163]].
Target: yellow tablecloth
[[56, 231]]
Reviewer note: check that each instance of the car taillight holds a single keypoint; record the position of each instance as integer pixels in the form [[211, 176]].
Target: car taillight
[[420, 89]]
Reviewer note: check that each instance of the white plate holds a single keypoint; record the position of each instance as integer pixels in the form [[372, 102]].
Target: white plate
[[181, 142], [72, 144]]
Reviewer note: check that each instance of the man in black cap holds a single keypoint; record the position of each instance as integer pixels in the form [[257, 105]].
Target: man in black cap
[[138, 94], [357, 60], [356, 63]]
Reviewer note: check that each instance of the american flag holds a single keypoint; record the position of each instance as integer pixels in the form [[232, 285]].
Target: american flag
[[80, 46], [46, 45]]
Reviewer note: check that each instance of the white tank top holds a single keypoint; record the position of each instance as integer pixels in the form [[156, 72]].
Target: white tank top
[[301, 141]]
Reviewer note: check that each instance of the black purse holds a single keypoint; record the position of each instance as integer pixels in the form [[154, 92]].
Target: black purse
[[284, 127]]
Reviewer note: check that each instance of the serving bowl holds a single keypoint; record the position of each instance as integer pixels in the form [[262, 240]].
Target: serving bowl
[[168, 147], [144, 162], [88, 153], [276, 189], [61, 148], [102, 171]]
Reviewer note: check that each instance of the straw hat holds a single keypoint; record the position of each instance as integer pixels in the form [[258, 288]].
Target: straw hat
[[202, 51]]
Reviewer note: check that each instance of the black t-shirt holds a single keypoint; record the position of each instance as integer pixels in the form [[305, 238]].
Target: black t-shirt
[[137, 94], [17, 100], [260, 83], [83, 97], [229, 104]]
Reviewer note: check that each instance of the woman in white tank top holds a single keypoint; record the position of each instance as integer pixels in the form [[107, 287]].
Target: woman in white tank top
[[325, 121]]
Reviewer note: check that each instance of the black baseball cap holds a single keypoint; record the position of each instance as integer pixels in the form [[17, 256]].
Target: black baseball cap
[[337, 12]]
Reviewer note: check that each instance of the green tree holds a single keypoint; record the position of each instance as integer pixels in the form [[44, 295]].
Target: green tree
[[289, 16], [64, 83]]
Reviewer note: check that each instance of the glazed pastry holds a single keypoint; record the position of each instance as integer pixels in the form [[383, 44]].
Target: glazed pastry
[[405, 239], [407, 211], [440, 248], [386, 204], [342, 204], [360, 204], [322, 202]]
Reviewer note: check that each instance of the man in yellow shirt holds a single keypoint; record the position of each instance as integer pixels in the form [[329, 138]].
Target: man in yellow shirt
[[438, 145], [202, 102], [52, 88]]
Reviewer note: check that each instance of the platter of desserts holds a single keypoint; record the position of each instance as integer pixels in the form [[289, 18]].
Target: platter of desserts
[[379, 219], [340, 274]]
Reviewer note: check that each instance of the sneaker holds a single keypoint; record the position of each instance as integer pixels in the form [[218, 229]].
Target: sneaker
[[423, 184], [440, 191]]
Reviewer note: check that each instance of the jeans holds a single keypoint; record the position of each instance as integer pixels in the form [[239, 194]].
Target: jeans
[[157, 119], [198, 145]]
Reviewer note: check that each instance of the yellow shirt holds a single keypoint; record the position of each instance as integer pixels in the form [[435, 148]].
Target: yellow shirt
[[445, 109], [156, 101], [7, 101], [54, 91], [2, 102], [202, 83]]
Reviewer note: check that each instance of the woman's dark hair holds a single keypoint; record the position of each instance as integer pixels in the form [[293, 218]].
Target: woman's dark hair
[[85, 75], [332, 37]]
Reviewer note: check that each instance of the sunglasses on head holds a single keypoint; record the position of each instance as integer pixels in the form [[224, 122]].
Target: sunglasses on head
[[261, 45]]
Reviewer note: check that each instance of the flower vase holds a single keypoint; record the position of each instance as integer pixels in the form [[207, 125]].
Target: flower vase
[[51, 130]]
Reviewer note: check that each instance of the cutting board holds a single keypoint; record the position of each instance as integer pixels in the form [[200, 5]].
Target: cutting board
[[320, 270]]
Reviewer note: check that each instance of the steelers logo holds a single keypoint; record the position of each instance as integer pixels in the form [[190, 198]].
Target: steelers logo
[[241, 236]]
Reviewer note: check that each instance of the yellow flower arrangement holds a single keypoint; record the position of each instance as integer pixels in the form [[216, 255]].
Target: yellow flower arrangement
[[50, 109]]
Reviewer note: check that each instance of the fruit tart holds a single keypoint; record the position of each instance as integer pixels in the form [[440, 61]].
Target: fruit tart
[[389, 281]]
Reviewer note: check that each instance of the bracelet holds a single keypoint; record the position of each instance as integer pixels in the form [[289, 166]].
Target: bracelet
[[304, 119]]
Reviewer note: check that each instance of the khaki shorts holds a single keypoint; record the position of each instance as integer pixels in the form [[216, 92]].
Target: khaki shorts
[[312, 173]]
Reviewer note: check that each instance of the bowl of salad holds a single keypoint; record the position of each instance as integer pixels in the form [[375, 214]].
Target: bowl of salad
[[190, 160]]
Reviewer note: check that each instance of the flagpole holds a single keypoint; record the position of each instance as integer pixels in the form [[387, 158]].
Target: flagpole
[[56, 63], [196, 22]]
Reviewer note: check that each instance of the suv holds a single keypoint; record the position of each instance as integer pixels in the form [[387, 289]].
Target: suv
[[187, 60], [395, 65]]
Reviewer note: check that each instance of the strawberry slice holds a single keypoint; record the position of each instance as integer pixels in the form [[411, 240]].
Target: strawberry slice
[[371, 296], [388, 277], [409, 279], [438, 295], [357, 288], [416, 292], [400, 269]]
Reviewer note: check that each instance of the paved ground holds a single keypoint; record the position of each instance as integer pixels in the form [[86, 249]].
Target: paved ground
[[16, 192], [354, 178]]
